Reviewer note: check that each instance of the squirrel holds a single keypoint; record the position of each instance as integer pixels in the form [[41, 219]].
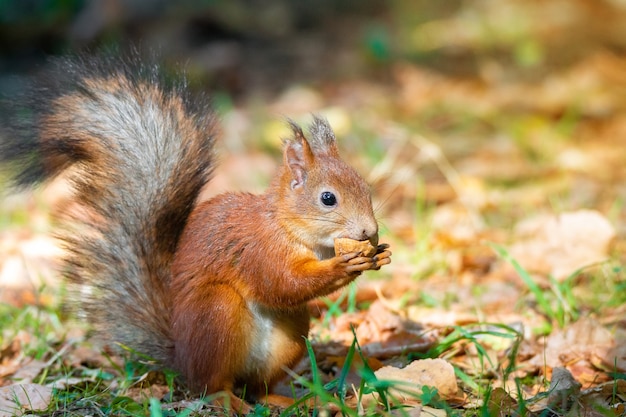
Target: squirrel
[[216, 290]]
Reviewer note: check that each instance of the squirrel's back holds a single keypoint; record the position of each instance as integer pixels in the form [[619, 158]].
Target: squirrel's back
[[138, 151]]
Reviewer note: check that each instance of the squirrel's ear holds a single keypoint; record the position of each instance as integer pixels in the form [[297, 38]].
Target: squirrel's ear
[[322, 136], [298, 157]]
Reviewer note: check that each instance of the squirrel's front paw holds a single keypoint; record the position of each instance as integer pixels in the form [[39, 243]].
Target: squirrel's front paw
[[351, 264], [354, 263], [382, 257]]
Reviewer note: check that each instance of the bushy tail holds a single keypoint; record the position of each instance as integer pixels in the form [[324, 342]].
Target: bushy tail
[[137, 152]]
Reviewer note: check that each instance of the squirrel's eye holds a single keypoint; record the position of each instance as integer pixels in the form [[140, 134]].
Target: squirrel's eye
[[328, 199]]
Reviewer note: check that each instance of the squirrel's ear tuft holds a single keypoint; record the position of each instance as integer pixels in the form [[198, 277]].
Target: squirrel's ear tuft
[[322, 136], [298, 156]]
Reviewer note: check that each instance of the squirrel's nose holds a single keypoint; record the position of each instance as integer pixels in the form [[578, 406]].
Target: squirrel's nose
[[374, 240], [363, 229], [370, 233]]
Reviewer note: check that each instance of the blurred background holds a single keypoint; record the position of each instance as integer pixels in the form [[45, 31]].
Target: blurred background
[[466, 116]]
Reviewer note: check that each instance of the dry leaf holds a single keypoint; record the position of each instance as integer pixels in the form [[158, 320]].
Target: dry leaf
[[419, 411], [576, 348], [435, 373], [455, 225], [560, 245], [65, 382], [87, 356], [29, 371], [501, 403], [16, 399], [152, 384], [27, 264], [604, 395]]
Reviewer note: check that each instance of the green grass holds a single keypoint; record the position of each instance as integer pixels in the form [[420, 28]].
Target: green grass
[[332, 395], [104, 391], [557, 303], [38, 329]]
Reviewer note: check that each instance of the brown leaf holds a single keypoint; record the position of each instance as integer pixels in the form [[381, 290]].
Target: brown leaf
[[559, 245], [419, 411], [576, 348], [398, 345], [14, 364], [610, 394], [152, 384], [501, 403], [15, 399], [436, 373], [612, 358], [26, 264], [28, 372], [88, 356]]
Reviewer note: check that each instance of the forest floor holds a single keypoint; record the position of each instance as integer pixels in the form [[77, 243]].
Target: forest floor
[[495, 143]]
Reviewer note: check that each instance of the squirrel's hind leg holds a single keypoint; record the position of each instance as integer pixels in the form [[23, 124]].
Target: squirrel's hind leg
[[211, 326]]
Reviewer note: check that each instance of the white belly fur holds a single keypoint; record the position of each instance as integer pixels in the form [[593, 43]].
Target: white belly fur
[[267, 338], [260, 348]]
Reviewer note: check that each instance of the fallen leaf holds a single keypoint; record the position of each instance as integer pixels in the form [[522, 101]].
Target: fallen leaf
[[610, 394], [378, 324], [26, 265], [419, 411], [501, 403], [575, 348], [398, 345], [455, 225], [87, 356], [29, 371], [612, 358], [435, 373], [152, 384], [16, 399], [559, 245], [66, 382]]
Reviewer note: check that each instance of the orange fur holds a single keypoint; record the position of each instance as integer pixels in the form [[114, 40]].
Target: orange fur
[[240, 253]]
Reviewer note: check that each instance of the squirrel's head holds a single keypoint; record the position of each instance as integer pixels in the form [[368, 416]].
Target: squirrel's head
[[325, 197]]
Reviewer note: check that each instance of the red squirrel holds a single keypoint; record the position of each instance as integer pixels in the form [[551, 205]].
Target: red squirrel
[[216, 290]]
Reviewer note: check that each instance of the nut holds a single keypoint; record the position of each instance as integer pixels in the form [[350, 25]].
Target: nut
[[345, 245]]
